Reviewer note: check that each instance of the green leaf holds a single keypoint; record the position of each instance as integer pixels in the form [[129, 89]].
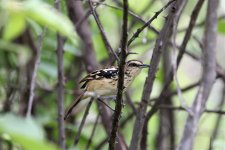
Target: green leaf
[[30, 144], [46, 15], [221, 26], [15, 125], [24, 131], [14, 26], [38, 11]]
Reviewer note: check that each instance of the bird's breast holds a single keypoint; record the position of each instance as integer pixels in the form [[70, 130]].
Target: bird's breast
[[107, 87]]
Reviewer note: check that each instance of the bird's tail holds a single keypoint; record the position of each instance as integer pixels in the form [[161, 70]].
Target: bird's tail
[[74, 104]]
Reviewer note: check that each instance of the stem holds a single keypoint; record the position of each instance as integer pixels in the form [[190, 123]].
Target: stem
[[119, 105]]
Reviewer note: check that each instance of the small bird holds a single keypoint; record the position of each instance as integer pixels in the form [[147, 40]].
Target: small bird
[[103, 82]]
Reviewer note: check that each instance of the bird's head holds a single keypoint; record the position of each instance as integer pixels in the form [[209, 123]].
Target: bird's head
[[135, 66]]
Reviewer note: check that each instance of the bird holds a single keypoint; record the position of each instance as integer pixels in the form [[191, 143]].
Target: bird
[[103, 82]]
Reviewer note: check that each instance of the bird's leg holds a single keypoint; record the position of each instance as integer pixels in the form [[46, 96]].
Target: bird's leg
[[99, 99]]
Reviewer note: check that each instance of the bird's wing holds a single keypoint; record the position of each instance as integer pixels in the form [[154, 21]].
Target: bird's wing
[[99, 74]]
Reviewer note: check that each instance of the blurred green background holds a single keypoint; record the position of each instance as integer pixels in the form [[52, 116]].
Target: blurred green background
[[40, 131]]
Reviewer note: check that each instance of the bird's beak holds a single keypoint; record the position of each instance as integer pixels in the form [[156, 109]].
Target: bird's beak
[[144, 66]]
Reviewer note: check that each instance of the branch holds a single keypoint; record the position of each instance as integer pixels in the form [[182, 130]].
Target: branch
[[77, 137], [34, 71], [92, 132], [118, 107], [76, 13], [180, 108], [136, 34], [200, 24], [172, 93], [104, 38], [174, 69], [60, 86], [159, 47], [180, 55], [188, 33], [131, 13], [60, 91], [208, 77], [219, 70]]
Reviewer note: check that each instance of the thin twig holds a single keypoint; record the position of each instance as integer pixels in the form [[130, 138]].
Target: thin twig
[[60, 86], [143, 11], [100, 100], [131, 13], [93, 132], [136, 34], [219, 70], [77, 137], [200, 24], [174, 68], [104, 38], [170, 94], [34, 73], [188, 33], [180, 108], [85, 17], [165, 138], [120, 87]]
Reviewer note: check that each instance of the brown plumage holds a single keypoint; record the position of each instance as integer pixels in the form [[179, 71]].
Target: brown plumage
[[104, 82]]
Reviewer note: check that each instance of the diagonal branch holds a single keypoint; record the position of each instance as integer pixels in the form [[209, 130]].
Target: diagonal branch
[[37, 56], [77, 137], [136, 34], [174, 69], [93, 132], [180, 108], [208, 77], [132, 14], [182, 48], [104, 38], [159, 47], [187, 36]]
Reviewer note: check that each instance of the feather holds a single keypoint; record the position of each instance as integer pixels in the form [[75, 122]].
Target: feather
[[108, 73]]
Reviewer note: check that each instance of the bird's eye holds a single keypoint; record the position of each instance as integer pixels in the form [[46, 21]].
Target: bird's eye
[[133, 65]]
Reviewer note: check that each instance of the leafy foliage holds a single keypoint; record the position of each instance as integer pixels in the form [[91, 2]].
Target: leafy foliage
[[40, 132]]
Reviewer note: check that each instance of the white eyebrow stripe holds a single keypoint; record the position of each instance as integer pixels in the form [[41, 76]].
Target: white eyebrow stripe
[[109, 69]]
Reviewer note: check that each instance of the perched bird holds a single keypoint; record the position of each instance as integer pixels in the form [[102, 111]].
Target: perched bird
[[103, 82]]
